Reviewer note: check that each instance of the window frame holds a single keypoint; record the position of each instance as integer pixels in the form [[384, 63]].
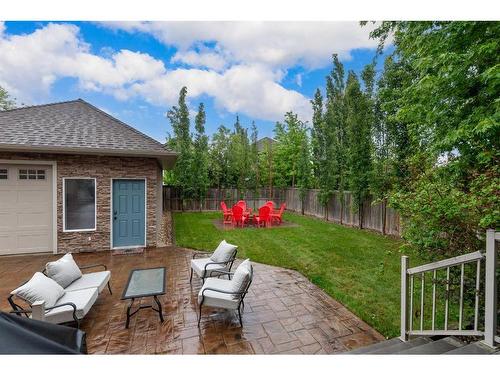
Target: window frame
[[27, 175], [6, 174], [64, 204]]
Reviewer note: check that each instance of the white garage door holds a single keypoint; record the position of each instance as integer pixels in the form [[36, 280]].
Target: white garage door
[[25, 208]]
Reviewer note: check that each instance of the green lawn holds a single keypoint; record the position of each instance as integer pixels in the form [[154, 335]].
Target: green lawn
[[358, 268]]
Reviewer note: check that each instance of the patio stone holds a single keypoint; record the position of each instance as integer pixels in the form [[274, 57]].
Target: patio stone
[[284, 313]]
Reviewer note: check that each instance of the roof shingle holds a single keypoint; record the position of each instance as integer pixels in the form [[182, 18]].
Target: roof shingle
[[73, 125]]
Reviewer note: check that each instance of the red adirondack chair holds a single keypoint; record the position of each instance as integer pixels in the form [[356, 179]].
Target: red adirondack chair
[[277, 215], [264, 217], [246, 211], [238, 218], [227, 214], [270, 204]]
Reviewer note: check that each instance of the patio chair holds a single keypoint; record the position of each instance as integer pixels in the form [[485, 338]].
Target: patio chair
[[239, 216], [270, 204], [220, 260], [227, 294], [276, 216], [264, 216], [227, 214]]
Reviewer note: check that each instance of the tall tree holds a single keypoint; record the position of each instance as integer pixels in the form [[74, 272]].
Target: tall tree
[[182, 143], [289, 137], [318, 144], [359, 120], [200, 162], [219, 152], [450, 109], [254, 159]]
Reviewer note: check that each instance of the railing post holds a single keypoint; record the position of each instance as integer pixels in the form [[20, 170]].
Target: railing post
[[490, 304], [404, 295]]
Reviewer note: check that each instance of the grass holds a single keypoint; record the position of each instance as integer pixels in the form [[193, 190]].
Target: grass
[[358, 268]]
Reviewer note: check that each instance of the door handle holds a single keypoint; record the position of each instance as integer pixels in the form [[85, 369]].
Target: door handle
[[114, 215]]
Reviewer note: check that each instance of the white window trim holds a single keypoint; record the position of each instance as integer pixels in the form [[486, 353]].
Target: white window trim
[[145, 212], [64, 204]]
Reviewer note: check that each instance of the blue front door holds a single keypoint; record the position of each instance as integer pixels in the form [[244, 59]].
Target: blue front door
[[128, 213]]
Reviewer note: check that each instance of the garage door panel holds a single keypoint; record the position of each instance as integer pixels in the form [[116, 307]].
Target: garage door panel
[[26, 211]]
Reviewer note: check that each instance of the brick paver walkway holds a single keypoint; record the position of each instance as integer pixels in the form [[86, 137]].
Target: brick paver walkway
[[284, 312]]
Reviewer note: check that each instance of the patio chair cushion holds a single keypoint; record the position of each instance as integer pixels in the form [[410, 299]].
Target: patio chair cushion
[[40, 288], [83, 299], [223, 252], [63, 271], [241, 277], [90, 280], [217, 299], [198, 266]]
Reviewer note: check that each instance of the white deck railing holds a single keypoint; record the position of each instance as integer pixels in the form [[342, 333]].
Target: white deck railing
[[409, 275]]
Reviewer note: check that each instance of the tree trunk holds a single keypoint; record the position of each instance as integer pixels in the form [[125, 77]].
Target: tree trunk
[[360, 215]]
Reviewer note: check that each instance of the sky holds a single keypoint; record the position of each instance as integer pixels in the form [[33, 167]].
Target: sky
[[135, 70]]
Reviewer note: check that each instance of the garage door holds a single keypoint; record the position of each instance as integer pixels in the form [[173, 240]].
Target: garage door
[[25, 208]]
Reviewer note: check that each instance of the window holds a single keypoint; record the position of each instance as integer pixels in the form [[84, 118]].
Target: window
[[32, 174], [79, 204], [4, 174]]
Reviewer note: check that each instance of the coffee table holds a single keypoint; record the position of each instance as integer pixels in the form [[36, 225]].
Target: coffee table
[[144, 282]]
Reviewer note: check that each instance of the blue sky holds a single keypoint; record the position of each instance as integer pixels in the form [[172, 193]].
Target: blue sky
[[134, 70]]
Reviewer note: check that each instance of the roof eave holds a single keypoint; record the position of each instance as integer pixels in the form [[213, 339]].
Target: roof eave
[[166, 158]]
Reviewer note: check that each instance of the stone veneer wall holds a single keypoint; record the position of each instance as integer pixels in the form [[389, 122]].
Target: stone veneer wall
[[103, 168]]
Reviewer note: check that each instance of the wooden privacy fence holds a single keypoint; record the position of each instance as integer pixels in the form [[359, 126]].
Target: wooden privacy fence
[[375, 216]]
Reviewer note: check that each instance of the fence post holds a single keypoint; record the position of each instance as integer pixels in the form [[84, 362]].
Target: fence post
[[490, 303], [404, 295]]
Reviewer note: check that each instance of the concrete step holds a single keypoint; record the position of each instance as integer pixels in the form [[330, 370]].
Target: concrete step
[[403, 345], [435, 347], [378, 345], [475, 348]]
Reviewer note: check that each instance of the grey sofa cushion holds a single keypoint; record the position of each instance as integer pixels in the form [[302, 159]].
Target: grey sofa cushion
[[63, 271]]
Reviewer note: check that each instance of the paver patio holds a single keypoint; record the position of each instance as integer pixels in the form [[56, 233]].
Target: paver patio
[[284, 312]]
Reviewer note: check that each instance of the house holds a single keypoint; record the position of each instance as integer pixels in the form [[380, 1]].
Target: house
[[73, 178], [264, 143]]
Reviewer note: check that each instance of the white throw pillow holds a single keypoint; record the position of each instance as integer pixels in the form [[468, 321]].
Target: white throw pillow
[[63, 271], [241, 277], [40, 288], [223, 252]]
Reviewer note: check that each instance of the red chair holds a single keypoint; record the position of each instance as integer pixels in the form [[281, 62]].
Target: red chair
[[238, 218], [264, 217], [270, 204], [277, 215], [227, 214], [246, 211]]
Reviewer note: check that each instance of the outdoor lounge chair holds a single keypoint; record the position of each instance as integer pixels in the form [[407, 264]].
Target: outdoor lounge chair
[[221, 260], [61, 293], [264, 216], [227, 294], [277, 215]]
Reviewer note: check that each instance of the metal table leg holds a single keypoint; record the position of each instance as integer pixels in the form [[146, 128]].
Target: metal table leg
[[159, 308]]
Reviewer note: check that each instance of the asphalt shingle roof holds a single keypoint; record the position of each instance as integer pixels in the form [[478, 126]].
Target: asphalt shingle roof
[[73, 125]]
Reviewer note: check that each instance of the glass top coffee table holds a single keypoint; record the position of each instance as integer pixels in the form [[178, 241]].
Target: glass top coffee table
[[146, 282]]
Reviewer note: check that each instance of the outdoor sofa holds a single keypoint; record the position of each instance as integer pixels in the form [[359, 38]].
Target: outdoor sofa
[[61, 293]]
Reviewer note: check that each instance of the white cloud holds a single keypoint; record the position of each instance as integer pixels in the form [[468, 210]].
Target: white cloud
[[276, 44], [31, 63], [211, 60], [298, 79]]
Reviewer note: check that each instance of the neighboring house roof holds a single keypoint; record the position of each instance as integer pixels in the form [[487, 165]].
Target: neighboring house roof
[[263, 142], [75, 127]]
